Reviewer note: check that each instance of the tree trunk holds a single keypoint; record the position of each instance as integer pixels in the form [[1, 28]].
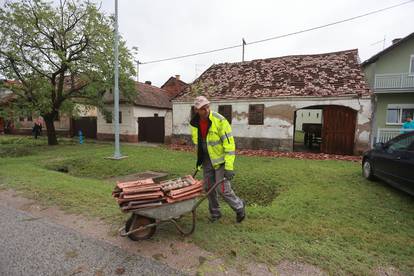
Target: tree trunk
[[50, 127]]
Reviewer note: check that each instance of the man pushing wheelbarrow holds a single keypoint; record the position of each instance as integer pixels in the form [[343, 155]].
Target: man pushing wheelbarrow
[[216, 150], [168, 201]]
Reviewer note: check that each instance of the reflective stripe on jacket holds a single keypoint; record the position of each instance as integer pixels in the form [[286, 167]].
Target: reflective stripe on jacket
[[220, 142]]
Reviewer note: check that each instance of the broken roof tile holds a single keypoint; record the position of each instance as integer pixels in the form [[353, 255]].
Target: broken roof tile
[[323, 75]]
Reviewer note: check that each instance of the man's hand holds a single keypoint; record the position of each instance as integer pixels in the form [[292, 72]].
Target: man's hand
[[229, 174]]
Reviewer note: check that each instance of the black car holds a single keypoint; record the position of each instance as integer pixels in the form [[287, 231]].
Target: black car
[[392, 162]]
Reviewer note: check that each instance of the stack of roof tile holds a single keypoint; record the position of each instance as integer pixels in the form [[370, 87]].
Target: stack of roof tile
[[138, 194], [181, 188], [145, 193]]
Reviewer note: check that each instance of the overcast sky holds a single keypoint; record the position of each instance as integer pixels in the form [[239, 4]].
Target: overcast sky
[[168, 28]]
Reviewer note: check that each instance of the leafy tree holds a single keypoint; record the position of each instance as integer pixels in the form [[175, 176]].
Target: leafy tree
[[60, 54]]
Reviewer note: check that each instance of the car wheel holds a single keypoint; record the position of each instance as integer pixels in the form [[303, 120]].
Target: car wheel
[[367, 170]]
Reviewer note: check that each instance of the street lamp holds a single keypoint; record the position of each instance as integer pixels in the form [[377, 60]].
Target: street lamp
[[117, 153]]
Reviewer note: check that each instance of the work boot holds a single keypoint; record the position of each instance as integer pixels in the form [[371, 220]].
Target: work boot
[[241, 213], [214, 219]]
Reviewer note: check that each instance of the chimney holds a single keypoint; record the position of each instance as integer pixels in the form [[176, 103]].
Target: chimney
[[395, 40], [148, 82], [177, 77]]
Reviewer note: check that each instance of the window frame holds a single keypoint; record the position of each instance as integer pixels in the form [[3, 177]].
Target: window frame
[[108, 119], [399, 107], [256, 123], [224, 113], [411, 67]]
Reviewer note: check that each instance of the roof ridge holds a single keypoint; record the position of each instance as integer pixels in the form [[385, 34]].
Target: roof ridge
[[287, 56]]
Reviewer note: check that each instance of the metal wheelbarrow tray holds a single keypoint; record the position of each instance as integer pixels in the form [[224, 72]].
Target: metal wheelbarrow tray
[[143, 222]]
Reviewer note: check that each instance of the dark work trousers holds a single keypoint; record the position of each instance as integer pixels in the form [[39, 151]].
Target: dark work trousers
[[212, 175]]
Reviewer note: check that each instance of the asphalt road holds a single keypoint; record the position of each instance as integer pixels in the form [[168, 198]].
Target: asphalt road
[[35, 246]]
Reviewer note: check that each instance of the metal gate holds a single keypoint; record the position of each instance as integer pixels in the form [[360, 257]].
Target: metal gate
[[151, 129], [338, 131], [86, 124]]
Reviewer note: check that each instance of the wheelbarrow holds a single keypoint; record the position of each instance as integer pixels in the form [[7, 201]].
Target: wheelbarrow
[[143, 222]]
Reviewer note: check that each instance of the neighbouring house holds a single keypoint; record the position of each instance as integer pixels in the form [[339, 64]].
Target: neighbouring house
[[174, 86], [390, 73], [6, 96], [148, 117], [261, 98], [84, 118]]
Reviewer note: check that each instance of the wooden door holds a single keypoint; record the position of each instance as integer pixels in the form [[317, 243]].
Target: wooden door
[[338, 130], [151, 129], [87, 125]]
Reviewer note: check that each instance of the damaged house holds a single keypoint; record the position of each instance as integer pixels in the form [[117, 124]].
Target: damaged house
[[262, 98]]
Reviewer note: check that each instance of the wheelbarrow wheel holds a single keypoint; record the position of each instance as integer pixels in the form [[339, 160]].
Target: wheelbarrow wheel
[[136, 221]]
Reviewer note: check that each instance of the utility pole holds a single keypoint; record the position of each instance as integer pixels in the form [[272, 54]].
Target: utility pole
[[117, 153], [135, 54], [244, 43], [138, 63]]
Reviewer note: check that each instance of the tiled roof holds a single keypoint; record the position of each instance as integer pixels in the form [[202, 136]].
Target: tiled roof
[[151, 96], [174, 86], [321, 75], [146, 95]]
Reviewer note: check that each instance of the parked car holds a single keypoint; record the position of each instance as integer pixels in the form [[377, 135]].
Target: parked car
[[392, 162]]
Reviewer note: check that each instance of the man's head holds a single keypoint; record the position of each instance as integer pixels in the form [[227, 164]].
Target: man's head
[[409, 119], [202, 107]]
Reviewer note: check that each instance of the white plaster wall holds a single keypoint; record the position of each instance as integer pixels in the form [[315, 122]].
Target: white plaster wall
[[168, 123], [278, 128], [85, 110], [130, 116], [128, 125], [308, 116]]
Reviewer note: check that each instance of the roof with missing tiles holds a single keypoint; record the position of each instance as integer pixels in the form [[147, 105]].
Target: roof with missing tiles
[[321, 75]]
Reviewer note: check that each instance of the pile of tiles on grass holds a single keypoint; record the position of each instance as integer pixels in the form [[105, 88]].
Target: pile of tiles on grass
[[139, 194]]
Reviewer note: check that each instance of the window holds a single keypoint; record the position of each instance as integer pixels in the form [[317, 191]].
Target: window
[[192, 112], [57, 117], [108, 118], [256, 114], [411, 72], [397, 114], [401, 144], [29, 118], [225, 110], [155, 114], [21, 119]]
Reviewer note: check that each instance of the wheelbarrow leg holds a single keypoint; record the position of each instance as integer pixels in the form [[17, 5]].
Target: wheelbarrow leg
[[181, 230]]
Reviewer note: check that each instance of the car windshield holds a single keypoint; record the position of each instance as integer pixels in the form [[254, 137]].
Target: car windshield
[[402, 143]]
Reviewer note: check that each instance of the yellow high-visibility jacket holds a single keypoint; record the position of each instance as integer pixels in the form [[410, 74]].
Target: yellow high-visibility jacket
[[220, 142]]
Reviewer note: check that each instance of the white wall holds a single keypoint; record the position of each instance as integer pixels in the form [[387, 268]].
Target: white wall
[[130, 116], [279, 126], [128, 126], [308, 116]]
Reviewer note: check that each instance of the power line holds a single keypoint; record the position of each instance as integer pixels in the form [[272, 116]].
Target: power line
[[279, 36]]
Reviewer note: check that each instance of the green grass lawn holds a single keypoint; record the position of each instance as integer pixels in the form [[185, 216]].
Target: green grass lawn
[[320, 212]]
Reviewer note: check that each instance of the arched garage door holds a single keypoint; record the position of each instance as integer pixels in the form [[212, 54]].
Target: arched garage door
[[338, 131]]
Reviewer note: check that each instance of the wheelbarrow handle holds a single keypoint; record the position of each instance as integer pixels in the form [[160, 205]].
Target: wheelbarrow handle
[[195, 172], [208, 192]]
